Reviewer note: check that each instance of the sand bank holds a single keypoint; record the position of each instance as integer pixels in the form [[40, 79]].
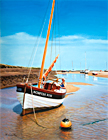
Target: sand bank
[[71, 88], [100, 74]]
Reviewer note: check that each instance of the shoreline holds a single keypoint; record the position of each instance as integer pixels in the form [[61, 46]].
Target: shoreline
[[11, 76], [100, 74]]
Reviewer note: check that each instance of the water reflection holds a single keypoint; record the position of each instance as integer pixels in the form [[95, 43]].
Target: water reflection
[[66, 134], [86, 76], [95, 78]]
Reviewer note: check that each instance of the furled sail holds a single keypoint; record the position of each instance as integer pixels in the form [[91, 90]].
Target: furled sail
[[50, 68]]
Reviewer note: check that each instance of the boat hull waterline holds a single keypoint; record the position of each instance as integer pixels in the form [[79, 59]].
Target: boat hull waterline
[[39, 98]]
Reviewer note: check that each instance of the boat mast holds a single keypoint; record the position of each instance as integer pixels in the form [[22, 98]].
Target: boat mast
[[46, 44], [72, 65], [85, 60]]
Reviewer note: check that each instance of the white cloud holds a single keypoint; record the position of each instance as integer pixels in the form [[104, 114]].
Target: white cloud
[[97, 41], [81, 39], [18, 48], [22, 37]]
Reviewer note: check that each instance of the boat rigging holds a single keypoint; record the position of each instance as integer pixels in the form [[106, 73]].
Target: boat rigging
[[51, 94]]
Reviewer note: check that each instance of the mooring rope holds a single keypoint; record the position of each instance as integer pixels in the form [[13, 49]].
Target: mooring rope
[[34, 110], [36, 121], [33, 106]]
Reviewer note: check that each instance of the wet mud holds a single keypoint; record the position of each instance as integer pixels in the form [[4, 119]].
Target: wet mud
[[88, 117]]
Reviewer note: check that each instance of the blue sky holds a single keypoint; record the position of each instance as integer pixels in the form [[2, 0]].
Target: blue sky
[[82, 28]]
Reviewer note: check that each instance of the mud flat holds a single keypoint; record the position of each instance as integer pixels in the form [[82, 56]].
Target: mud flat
[[86, 109], [12, 75]]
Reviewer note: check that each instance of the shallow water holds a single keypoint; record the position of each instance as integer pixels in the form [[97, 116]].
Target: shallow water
[[86, 109]]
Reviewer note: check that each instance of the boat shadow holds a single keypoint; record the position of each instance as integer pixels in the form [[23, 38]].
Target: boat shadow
[[18, 109]]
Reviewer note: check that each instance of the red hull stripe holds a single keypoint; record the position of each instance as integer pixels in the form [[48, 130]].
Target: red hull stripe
[[40, 92]]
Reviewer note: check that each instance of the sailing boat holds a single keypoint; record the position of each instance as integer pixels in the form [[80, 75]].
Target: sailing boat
[[86, 70], [31, 96]]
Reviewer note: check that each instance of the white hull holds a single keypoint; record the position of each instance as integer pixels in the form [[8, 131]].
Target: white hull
[[33, 101]]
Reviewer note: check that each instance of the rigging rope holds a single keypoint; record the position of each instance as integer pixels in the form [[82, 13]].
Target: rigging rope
[[35, 53], [59, 34], [55, 22], [55, 31], [44, 20], [52, 41], [52, 37], [31, 85]]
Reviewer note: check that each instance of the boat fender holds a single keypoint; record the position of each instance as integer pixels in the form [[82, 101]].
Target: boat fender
[[66, 124]]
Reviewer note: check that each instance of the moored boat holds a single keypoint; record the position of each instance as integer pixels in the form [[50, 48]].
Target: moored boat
[[44, 95], [86, 71], [94, 73], [82, 71], [31, 97]]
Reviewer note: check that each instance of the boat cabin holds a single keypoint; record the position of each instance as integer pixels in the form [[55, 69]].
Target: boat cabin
[[51, 86]]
